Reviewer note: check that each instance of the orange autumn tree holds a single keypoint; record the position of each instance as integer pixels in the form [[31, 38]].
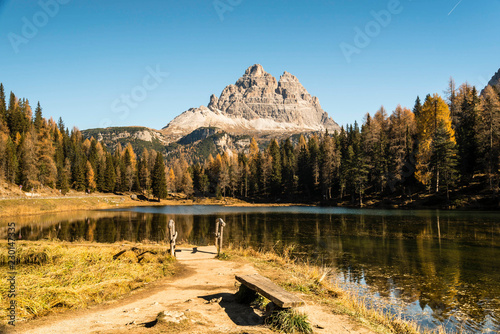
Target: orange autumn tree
[[433, 122], [90, 177]]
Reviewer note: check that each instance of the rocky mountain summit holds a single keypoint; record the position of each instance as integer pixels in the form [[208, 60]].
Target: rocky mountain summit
[[257, 102], [256, 105]]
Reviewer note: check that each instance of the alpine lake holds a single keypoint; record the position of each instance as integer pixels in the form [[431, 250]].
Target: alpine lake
[[437, 268]]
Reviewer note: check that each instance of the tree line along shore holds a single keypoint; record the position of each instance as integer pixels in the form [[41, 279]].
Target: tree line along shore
[[445, 152]]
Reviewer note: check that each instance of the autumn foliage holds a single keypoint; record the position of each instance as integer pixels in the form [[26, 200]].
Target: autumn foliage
[[437, 147]]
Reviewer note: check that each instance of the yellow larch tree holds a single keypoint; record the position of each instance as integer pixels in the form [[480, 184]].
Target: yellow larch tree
[[435, 116], [90, 176]]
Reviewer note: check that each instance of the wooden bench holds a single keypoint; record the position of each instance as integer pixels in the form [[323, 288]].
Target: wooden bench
[[271, 291]]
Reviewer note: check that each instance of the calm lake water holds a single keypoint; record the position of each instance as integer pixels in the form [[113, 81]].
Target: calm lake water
[[437, 268]]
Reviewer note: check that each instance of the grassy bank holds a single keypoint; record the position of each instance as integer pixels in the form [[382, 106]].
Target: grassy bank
[[311, 279], [54, 276], [14, 207], [33, 206]]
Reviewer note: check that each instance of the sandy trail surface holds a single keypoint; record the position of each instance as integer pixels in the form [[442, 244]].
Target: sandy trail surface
[[198, 299]]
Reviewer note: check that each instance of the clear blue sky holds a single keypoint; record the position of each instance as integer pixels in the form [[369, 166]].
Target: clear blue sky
[[80, 61]]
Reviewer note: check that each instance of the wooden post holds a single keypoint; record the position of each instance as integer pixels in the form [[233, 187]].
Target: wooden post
[[222, 224], [219, 231], [173, 236]]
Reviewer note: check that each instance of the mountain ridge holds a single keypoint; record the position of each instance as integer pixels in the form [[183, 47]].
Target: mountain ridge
[[257, 105], [257, 102]]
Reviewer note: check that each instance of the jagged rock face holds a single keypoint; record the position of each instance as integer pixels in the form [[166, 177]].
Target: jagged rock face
[[257, 102], [495, 80], [198, 134]]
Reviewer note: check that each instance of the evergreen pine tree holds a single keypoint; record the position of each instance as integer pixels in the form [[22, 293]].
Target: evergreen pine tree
[[78, 170], [255, 164], [38, 121], [14, 116], [453, 103], [63, 176], [109, 175], [303, 168], [417, 109], [61, 126], [314, 164], [101, 174], [488, 133], [159, 182], [3, 105], [197, 170], [244, 174], [330, 163], [357, 162], [224, 177], [444, 159], [466, 132], [288, 167], [144, 172], [275, 177], [93, 156], [123, 176]]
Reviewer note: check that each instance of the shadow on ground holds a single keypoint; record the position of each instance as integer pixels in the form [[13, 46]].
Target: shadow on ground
[[240, 314]]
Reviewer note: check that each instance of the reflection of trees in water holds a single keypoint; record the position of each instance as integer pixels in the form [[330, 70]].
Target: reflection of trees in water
[[451, 278]]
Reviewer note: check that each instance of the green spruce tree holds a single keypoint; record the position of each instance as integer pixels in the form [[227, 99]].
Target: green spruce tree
[[38, 121], [488, 134], [109, 175], [159, 181], [466, 133], [417, 108], [444, 159], [3, 105], [275, 177]]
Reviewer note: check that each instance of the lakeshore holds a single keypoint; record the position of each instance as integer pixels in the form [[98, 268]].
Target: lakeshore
[[25, 205], [14, 207], [185, 292]]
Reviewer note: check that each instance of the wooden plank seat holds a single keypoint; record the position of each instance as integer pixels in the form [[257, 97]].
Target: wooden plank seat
[[271, 291]]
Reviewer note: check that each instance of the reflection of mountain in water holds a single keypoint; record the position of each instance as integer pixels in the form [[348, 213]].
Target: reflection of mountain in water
[[449, 263]]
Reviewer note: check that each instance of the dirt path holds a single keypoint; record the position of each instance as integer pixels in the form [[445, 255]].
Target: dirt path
[[199, 299]]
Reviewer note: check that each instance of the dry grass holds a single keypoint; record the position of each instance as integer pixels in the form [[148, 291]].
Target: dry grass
[[32, 206], [312, 279], [73, 201], [58, 276]]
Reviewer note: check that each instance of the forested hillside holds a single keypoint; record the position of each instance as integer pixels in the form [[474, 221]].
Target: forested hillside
[[36, 153], [441, 146]]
